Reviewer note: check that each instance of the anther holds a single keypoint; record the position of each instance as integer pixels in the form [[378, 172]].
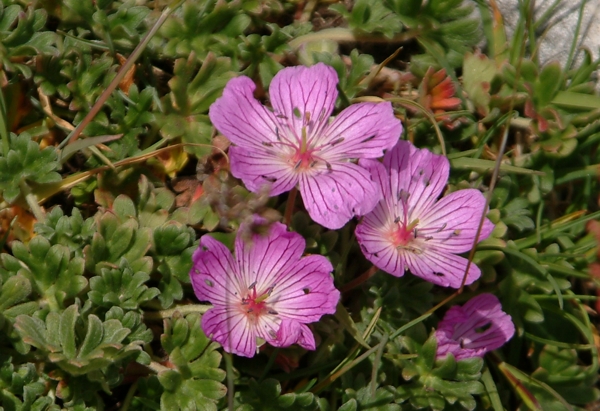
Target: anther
[[368, 138]]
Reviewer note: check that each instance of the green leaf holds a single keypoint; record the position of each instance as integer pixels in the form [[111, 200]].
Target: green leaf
[[195, 381], [14, 290], [101, 344], [116, 238], [478, 72], [70, 231], [266, 396], [21, 387], [121, 287], [201, 27], [371, 17], [25, 162], [193, 90], [53, 272]]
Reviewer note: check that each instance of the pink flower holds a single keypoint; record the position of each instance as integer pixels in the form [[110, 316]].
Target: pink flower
[[295, 144], [474, 329], [410, 230], [266, 290]]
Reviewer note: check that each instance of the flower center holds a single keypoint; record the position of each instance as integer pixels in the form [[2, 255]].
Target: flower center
[[255, 304], [403, 234], [302, 159]]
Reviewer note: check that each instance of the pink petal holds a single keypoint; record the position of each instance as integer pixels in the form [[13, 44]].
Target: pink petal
[[371, 234], [305, 292], [230, 328], [293, 332], [334, 197], [475, 328], [363, 130], [485, 311], [214, 275], [257, 168], [262, 260], [451, 224], [267, 327], [298, 92], [417, 177], [379, 174], [440, 268], [241, 118]]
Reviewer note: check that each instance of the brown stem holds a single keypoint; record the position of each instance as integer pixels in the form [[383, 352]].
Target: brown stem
[[359, 280], [124, 69], [289, 207]]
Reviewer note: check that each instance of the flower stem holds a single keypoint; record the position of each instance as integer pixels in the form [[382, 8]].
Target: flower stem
[[183, 309], [289, 207], [359, 280], [129, 396]]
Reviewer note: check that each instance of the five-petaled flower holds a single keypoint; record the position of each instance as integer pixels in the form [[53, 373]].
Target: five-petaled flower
[[266, 290], [474, 329], [410, 230], [296, 144]]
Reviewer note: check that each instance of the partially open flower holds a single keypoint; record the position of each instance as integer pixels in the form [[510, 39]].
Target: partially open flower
[[266, 291], [410, 230], [296, 144], [474, 329]]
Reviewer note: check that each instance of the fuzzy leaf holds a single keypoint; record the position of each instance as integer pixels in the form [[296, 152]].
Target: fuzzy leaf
[[121, 287], [102, 343], [25, 162], [196, 377], [51, 270]]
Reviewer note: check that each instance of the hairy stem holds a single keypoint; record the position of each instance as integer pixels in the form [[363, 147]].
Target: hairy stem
[[183, 309]]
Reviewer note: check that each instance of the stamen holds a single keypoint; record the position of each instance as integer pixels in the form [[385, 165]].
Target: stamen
[[403, 195], [412, 225], [368, 138], [413, 250], [260, 299], [269, 179], [337, 141]]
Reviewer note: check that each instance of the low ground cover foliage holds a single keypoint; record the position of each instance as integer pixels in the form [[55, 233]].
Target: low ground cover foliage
[[305, 205]]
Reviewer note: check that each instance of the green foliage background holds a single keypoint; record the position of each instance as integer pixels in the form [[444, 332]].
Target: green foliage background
[[99, 222]]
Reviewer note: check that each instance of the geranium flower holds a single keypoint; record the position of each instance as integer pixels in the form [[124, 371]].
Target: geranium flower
[[266, 290], [295, 144], [474, 329], [410, 230]]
